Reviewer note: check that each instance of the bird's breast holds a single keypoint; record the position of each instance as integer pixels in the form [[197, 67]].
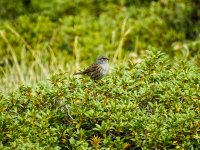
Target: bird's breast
[[105, 68]]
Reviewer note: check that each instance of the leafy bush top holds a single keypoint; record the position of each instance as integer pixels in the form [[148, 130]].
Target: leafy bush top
[[153, 104]]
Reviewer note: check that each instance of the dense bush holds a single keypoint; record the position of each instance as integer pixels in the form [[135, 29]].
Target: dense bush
[[150, 100], [153, 104]]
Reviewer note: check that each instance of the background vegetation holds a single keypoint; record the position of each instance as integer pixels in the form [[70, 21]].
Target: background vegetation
[[150, 99]]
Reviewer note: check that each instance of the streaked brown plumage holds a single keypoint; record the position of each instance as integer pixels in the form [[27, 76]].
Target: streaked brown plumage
[[97, 70]]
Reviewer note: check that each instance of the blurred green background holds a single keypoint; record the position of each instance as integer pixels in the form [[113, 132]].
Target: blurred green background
[[42, 37]]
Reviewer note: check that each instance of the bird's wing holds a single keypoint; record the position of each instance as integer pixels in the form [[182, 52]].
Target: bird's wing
[[92, 68]]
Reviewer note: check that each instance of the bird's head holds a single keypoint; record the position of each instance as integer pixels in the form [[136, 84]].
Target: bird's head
[[102, 60]]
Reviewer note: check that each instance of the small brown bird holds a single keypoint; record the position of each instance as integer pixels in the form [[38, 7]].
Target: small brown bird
[[97, 70]]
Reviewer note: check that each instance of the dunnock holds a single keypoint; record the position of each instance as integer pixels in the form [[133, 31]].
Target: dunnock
[[97, 70]]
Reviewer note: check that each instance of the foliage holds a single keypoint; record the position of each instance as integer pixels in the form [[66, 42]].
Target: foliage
[[150, 100], [153, 104]]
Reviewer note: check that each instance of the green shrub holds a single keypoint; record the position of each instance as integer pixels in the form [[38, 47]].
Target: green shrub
[[153, 104]]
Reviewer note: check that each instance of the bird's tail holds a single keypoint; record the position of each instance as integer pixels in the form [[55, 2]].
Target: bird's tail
[[78, 73]]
